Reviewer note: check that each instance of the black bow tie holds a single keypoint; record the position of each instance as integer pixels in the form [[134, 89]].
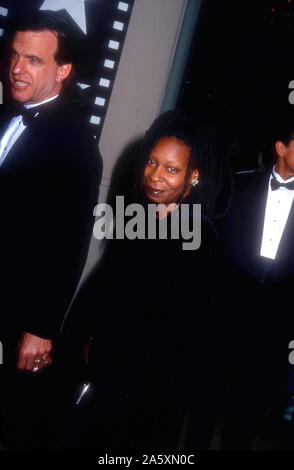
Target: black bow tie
[[275, 184], [28, 115]]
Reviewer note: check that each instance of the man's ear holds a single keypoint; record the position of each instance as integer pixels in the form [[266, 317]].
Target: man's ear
[[280, 148], [63, 72]]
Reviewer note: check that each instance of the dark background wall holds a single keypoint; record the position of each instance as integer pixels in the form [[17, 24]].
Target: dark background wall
[[239, 68]]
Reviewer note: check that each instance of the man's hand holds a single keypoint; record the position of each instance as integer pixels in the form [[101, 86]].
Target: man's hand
[[34, 353]]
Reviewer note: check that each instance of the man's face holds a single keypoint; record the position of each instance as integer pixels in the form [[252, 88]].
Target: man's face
[[34, 73]]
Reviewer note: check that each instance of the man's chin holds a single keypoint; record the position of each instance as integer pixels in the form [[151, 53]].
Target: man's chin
[[20, 97]]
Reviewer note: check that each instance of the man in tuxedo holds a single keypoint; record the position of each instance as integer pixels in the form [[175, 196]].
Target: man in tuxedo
[[50, 171], [257, 263]]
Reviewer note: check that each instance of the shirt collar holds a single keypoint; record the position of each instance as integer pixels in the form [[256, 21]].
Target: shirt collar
[[279, 178], [28, 106]]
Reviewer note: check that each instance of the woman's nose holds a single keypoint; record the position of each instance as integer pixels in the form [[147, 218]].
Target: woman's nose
[[156, 173]]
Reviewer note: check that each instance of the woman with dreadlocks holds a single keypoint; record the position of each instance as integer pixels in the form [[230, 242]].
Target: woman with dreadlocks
[[147, 306]]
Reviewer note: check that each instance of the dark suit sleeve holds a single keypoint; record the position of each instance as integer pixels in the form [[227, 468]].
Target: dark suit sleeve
[[60, 209]]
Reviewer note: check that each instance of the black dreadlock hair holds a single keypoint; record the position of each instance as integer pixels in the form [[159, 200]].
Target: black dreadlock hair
[[214, 191]]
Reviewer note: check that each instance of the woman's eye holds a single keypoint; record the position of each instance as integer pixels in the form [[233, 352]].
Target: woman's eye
[[172, 169], [151, 162]]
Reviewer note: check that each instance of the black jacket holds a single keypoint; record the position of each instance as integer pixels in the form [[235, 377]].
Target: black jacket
[[49, 185], [257, 290], [147, 307]]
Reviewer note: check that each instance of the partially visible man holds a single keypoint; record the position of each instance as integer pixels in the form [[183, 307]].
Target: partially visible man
[[257, 241], [50, 171]]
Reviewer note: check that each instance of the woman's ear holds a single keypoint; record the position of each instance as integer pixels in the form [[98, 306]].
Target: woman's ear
[[195, 174], [194, 177]]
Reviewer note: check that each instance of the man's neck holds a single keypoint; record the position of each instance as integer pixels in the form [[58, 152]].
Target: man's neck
[[28, 106], [281, 172]]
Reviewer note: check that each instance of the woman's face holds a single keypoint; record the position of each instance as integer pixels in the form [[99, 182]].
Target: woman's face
[[165, 171]]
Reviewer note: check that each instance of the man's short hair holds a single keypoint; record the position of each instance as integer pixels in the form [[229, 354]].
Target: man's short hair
[[281, 129], [52, 21]]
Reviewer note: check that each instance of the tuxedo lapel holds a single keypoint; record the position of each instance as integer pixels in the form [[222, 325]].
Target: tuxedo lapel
[[284, 260], [4, 121], [249, 210], [42, 111], [16, 158], [249, 216], [286, 247]]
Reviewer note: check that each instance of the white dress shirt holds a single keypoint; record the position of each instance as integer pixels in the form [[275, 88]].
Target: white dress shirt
[[14, 130], [278, 206]]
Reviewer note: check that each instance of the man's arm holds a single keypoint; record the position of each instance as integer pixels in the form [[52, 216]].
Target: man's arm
[[61, 211]]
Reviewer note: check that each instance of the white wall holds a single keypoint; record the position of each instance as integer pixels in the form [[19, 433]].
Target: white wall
[[140, 83]]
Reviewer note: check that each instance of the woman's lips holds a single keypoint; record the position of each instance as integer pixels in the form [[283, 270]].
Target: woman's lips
[[154, 191]]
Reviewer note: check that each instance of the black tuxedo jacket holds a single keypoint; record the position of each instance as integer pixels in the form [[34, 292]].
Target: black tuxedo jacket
[[258, 291], [49, 184]]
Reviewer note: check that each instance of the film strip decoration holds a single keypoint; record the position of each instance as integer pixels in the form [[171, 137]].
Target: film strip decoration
[[105, 22], [3, 15]]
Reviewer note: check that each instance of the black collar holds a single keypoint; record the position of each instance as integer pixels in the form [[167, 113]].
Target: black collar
[[35, 113]]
